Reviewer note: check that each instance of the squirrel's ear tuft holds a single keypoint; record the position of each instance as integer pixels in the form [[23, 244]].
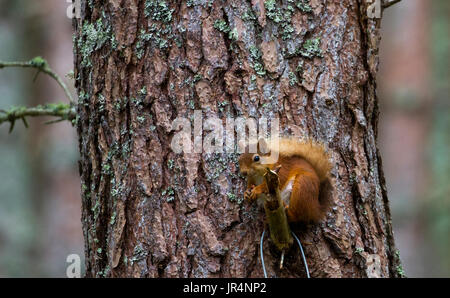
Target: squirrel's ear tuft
[[263, 147]]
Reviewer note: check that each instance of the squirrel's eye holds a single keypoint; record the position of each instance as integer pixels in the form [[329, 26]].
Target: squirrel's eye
[[256, 158]]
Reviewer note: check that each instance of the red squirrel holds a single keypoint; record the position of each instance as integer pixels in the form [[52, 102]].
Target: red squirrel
[[303, 175]]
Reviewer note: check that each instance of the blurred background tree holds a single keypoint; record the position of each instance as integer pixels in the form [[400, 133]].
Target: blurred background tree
[[40, 187], [414, 131], [39, 182]]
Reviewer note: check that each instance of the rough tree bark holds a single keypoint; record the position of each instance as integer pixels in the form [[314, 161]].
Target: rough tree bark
[[150, 212]]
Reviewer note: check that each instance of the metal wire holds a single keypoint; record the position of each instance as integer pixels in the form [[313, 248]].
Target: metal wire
[[303, 254], [262, 254], [299, 245]]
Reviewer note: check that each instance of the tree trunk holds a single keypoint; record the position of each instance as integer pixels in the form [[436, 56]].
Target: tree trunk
[[148, 211]]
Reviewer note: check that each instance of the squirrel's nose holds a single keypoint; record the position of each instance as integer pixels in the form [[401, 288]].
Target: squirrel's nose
[[244, 172]]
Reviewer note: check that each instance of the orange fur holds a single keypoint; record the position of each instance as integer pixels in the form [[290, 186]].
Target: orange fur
[[304, 170]]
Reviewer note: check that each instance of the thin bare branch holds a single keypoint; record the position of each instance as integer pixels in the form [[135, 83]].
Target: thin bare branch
[[63, 111], [41, 65]]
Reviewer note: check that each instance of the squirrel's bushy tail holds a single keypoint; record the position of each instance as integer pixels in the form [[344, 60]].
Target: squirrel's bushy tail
[[316, 155], [313, 152]]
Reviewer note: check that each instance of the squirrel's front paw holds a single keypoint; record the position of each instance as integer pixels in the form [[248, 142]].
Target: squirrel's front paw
[[253, 192], [249, 194]]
